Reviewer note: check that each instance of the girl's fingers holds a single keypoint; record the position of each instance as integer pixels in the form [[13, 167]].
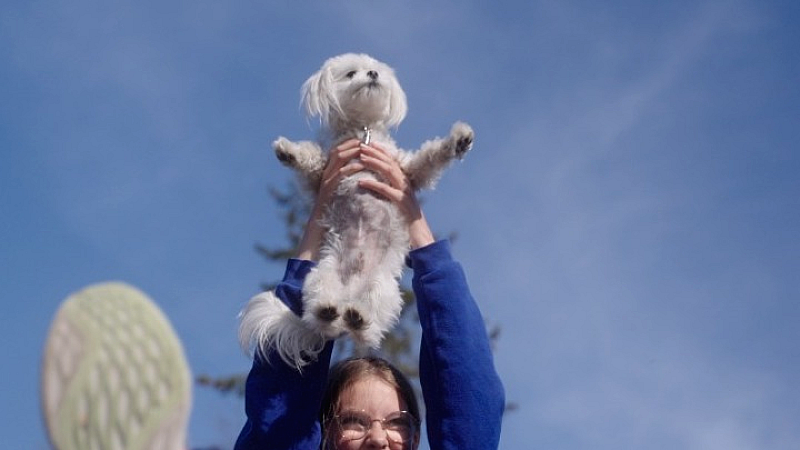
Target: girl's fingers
[[333, 178], [382, 189], [376, 164], [348, 144], [390, 170], [350, 169], [340, 156], [376, 151], [352, 156]]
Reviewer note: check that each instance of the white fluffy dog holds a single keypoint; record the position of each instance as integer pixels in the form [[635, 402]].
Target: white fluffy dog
[[354, 288]]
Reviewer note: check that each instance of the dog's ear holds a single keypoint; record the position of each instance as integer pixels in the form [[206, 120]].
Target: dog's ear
[[312, 95], [319, 95], [397, 104]]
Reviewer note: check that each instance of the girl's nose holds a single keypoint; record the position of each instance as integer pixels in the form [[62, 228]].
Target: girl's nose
[[376, 436]]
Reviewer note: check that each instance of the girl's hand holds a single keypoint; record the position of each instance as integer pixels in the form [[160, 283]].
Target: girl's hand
[[341, 163], [396, 189]]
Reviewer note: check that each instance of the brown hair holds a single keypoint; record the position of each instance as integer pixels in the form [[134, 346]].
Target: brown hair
[[346, 373]]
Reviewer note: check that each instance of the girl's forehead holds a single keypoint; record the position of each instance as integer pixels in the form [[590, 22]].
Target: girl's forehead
[[371, 393]]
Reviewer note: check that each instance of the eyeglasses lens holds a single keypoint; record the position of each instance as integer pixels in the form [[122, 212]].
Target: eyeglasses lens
[[399, 426]]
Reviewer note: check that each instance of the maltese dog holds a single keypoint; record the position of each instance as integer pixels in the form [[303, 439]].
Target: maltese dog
[[354, 288]]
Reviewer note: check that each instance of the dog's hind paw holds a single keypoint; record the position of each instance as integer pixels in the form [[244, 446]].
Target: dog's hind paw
[[326, 314], [354, 320]]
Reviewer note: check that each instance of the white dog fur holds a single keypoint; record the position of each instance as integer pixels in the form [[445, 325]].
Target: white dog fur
[[354, 288]]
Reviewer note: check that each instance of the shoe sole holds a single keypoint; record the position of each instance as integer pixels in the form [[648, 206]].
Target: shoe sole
[[114, 375]]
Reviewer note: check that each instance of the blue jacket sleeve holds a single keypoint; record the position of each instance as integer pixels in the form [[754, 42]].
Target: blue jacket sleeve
[[464, 397], [282, 404]]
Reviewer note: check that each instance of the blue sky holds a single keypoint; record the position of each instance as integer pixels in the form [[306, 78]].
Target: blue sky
[[628, 215]]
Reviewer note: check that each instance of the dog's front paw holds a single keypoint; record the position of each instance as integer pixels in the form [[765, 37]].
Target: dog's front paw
[[462, 137], [283, 150]]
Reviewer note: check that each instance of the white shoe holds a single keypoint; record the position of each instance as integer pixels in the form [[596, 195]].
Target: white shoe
[[114, 375]]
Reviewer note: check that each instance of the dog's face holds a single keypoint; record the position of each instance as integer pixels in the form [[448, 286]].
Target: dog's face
[[355, 90]]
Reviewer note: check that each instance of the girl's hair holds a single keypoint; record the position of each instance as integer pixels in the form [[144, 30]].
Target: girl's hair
[[347, 372]]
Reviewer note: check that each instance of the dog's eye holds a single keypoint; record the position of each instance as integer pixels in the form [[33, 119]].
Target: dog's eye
[[351, 74]]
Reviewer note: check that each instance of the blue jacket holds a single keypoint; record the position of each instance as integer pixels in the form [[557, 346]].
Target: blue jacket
[[463, 395]]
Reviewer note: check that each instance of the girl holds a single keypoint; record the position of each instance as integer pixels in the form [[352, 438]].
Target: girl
[[366, 403]]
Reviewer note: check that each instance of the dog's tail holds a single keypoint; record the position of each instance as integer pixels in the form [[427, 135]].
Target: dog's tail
[[267, 325]]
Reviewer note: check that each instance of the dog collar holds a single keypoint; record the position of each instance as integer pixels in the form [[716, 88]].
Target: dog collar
[[367, 135]]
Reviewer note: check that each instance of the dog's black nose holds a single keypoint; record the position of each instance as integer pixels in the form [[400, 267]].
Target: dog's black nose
[[372, 74]]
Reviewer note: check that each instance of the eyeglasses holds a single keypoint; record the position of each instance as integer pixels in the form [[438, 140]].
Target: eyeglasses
[[400, 426]]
